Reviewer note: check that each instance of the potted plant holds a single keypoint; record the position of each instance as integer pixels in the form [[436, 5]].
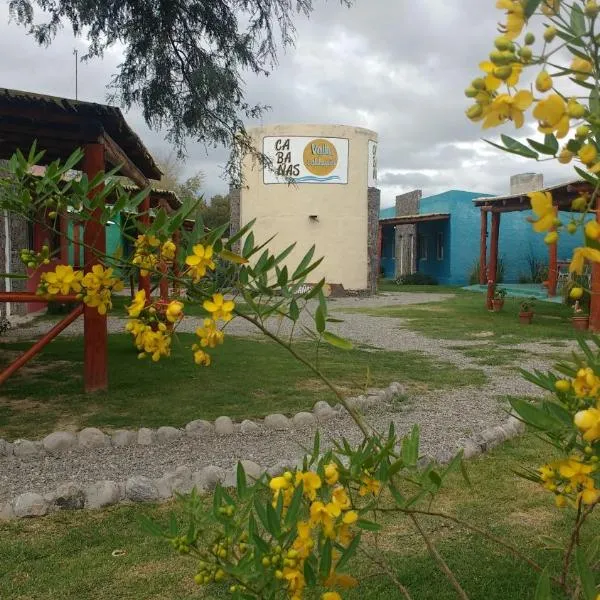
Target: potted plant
[[526, 312], [498, 299], [580, 318]]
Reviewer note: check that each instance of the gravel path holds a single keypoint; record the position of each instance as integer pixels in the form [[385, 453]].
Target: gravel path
[[446, 417]]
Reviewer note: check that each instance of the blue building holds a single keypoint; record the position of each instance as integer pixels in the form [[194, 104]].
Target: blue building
[[440, 236]]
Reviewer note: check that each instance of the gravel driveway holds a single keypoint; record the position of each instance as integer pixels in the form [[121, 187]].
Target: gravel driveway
[[446, 417]]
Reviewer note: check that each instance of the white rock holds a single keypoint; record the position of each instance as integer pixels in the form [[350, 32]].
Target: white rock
[[102, 493], [325, 415], [248, 426], [6, 448], [303, 419], [164, 487], [59, 441], [253, 470], [123, 437], [6, 512], [320, 406], [145, 436], [207, 478], [396, 388], [68, 496], [168, 434], [470, 449], [141, 489], [30, 505], [91, 437], [277, 422], [223, 426], [517, 424], [198, 428], [27, 449]]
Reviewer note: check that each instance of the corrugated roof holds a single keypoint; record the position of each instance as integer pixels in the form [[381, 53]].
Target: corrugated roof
[[550, 188], [410, 219]]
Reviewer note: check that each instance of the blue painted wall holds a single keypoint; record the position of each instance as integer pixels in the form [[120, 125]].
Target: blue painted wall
[[460, 233]]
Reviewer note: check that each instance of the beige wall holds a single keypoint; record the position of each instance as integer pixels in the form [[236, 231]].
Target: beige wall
[[340, 235]]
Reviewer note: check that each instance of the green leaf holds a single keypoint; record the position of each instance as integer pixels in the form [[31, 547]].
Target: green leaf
[[309, 574], [368, 525], [304, 263], [577, 21], [514, 146], [435, 478], [542, 591], [325, 564], [260, 543], [233, 257], [294, 507], [274, 525], [585, 574], [259, 509], [348, 553], [551, 141], [319, 320], [241, 480], [524, 151], [294, 313], [542, 147], [336, 341], [534, 416], [248, 245], [530, 7]]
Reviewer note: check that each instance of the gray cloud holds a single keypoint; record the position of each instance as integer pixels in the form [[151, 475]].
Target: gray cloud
[[396, 67]]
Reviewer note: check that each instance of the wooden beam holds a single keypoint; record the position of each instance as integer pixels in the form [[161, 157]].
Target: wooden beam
[[553, 265], [144, 218], [594, 324], [493, 264], [483, 249], [94, 324], [116, 156]]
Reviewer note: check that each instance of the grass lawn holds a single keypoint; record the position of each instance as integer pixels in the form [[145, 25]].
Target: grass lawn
[[69, 555], [389, 285], [465, 317], [248, 378]]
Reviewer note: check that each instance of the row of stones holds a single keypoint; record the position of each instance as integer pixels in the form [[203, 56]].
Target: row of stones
[[61, 441], [70, 496]]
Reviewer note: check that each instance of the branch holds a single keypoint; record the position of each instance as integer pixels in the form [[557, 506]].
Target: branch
[[389, 571]]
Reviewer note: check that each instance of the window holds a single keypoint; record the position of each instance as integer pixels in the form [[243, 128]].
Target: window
[[422, 247], [439, 246]]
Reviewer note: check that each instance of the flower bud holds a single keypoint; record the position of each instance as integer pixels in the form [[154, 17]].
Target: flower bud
[[529, 38], [576, 293], [592, 230], [543, 82], [551, 238], [591, 8], [579, 204], [475, 111], [471, 92], [526, 53], [52, 214], [502, 43], [503, 73], [582, 131], [588, 154], [574, 109], [550, 33], [496, 57], [565, 156], [562, 385], [479, 83], [572, 228]]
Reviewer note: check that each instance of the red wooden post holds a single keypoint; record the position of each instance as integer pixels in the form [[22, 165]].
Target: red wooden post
[[144, 281], [379, 249], [64, 244], [553, 266], [176, 269], [595, 295], [94, 324], [76, 245], [493, 264], [163, 284], [483, 248]]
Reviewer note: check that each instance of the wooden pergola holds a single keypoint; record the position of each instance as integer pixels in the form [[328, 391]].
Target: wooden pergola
[[562, 197], [60, 126]]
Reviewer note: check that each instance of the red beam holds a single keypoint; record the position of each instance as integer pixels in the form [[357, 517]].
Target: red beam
[[483, 249], [595, 295], [553, 265], [64, 242], [95, 330], [37, 347], [33, 297], [493, 264], [144, 282], [176, 270]]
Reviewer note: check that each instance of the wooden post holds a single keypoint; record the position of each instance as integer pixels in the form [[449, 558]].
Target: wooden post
[[176, 269], [94, 324], [163, 284], [553, 265], [76, 245], [144, 281], [595, 287], [493, 264], [483, 249], [64, 234]]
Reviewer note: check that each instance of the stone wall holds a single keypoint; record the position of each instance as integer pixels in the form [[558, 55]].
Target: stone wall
[[406, 235], [234, 213], [374, 203], [17, 230]]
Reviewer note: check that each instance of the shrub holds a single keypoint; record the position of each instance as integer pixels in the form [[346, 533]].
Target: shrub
[[417, 279]]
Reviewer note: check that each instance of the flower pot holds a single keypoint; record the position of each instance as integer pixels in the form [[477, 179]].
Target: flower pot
[[581, 323], [525, 317], [497, 304]]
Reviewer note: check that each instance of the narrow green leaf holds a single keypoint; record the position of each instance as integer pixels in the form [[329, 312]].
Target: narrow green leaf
[[241, 480], [348, 553], [248, 245], [294, 507], [516, 146], [319, 320], [260, 511], [274, 525], [577, 21], [542, 147], [325, 564], [309, 574], [534, 416], [233, 257], [368, 525], [586, 577], [522, 152], [294, 312], [551, 141], [336, 341], [530, 7], [542, 591]]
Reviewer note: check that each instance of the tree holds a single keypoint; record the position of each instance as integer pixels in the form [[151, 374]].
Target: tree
[[182, 60], [217, 212], [172, 169]]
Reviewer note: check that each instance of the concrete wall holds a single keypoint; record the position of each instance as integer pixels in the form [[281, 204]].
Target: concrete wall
[[406, 235], [340, 231], [10, 262]]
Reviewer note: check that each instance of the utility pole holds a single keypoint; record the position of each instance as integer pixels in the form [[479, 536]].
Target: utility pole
[[75, 52]]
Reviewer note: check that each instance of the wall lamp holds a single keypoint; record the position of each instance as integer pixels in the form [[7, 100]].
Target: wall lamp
[[314, 218]]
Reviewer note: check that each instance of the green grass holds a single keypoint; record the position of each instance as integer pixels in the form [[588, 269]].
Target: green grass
[[464, 317], [389, 285], [248, 378], [69, 555], [492, 355]]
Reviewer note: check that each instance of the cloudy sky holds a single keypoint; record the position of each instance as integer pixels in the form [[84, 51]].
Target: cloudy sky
[[393, 66]]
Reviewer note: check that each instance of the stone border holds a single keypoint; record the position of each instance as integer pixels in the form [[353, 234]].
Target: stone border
[[70, 496], [61, 441]]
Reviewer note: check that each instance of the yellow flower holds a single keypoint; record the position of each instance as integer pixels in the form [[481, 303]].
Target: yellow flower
[[586, 384], [331, 596], [99, 299], [350, 517], [550, 7], [588, 421], [588, 154], [331, 473], [156, 343], [506, 107], [551, 238], [62, 281], [174, 311], [560, 501], [579, 257], [279, 483], [167, 251], [552, 115], [99, 277], [543, 82], [592, 230], [541, 205], [562, 385], [219, 307], [138, 304], [295, 581], [574, 109], [200, 261], [341, 580], [492, 83], [209, 334], [565, 156], [340, 497], [515, 17], [323, 514], [202, 358], [369, 485], [311, 482], [583, 67], [580, 203]]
